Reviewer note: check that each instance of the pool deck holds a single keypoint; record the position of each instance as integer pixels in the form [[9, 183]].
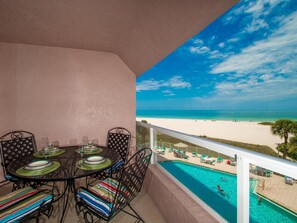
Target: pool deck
[[273, 188]]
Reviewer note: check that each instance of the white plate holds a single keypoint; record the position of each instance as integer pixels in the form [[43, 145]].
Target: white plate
[[94, 160], [90, 147], [38, 165], [54, 149]]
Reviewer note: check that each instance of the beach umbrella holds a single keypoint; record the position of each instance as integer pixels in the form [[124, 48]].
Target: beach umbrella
[[181, 145]]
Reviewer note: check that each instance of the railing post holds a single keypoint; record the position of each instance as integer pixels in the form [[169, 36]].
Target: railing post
[[243, 190], [152, 146]]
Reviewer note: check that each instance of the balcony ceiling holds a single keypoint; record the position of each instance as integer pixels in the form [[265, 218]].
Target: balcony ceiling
[[141, 32]]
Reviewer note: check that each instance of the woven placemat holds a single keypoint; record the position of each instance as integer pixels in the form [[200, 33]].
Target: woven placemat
[[83, 166], [90, 152], [50, 154], [32, 173]]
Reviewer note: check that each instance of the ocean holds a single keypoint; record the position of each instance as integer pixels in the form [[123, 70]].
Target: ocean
[[219, 115]]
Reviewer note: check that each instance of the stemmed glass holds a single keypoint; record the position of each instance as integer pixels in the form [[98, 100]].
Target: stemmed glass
[[82, 151]]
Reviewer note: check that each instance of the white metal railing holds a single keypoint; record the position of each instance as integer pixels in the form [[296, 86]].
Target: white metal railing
[[244, 158]]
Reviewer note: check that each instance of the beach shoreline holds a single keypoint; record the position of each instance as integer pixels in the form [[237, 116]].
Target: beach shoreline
[[241, 131]]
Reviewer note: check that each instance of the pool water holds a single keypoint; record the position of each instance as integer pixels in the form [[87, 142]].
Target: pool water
[[203, 182]]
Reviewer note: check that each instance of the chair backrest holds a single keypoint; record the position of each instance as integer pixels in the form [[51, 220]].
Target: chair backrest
[[132, 176], [14, 145], [119, 139]]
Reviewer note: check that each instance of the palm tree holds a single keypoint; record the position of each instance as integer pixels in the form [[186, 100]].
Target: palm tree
[[283, 128]]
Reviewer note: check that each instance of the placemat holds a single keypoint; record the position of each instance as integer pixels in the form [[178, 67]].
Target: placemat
[[51, 154], [90, 152], [32, 173], [83, 166]]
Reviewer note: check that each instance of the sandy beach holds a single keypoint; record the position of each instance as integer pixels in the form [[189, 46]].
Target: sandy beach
[[241, 131]]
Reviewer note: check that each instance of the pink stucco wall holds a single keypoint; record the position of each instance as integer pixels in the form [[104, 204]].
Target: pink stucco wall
[[64, 94], [7, 88]]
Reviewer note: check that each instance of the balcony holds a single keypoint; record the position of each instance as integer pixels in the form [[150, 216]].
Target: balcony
[[251, 182]]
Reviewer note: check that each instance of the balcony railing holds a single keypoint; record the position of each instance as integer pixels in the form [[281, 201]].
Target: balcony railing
[[247, 164]]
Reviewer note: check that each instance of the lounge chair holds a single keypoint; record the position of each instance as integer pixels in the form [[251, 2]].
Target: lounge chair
[[202, 159], [233, 163], [160, 151], [267, 173], [194, 154], [289, 180], [176, 153], [184, 155], [220, 160]]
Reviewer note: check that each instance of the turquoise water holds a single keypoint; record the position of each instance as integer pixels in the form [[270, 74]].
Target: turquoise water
[[203, 182], [219, 115]]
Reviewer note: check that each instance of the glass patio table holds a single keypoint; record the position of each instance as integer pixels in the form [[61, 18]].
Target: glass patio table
[[65, 164]]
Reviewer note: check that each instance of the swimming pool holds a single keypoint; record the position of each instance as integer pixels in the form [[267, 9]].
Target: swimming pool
[[203, 182]]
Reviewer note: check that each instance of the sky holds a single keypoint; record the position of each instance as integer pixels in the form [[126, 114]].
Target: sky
[[244, 60]]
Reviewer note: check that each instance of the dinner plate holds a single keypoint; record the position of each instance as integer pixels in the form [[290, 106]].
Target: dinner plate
[[90, 147], [94, 160], [54, 149], [36, 165]]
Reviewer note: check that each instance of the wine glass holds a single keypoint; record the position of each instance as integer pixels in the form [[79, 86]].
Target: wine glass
[[81, 151]]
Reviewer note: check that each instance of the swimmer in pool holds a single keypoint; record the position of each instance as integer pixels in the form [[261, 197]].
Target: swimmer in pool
[[220, 189], [259, 200]]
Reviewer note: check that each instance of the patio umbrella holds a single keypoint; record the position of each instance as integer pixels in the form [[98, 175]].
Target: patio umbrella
[[181, 145]]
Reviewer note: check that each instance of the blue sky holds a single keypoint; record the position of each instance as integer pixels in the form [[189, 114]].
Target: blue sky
[[245, 60]]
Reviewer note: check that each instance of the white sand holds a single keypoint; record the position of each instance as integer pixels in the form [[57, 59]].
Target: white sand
[[243, 131]]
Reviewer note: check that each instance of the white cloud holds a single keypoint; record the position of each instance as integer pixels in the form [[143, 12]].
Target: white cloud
[[269, 55], [221, 45], [257, 11], [176, 82], [148, 85], [265, 70], [256, 25], [198, 42], [168, 93], [199, 50], [232, 40]]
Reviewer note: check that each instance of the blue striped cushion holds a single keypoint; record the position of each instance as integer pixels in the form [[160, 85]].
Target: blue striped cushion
[[107, 189], [95, 202], [103, 194], [24, 207]]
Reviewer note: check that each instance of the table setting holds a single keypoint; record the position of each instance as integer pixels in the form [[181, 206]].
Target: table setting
[[89, 149], [93, 163], [38, 167], [50, 151]]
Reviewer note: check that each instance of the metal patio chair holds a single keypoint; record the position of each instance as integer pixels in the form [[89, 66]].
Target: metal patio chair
[[15, 145], [118, 139], [110, 196]]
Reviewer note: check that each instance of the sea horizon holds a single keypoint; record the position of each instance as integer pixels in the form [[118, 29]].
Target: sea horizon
[[225, 115]]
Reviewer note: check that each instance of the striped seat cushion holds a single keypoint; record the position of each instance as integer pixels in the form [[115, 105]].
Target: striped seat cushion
[[11, 198], [102, 196], [21, 203]]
